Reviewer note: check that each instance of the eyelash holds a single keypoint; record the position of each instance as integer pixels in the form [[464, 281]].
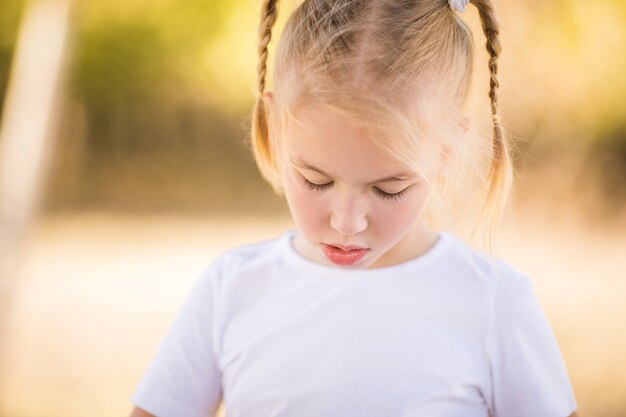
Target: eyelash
[[381, 193], [316, 187]]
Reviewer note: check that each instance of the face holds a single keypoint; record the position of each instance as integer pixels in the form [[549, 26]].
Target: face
[[354, 206]]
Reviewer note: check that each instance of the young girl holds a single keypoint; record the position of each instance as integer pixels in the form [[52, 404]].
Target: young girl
[[366, 309]]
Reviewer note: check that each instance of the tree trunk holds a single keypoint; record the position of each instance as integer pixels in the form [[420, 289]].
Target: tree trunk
[[31, 112]]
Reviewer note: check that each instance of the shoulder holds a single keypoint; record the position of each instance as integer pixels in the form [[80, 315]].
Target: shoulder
[[250, 254], [495, 272], [243, 259]]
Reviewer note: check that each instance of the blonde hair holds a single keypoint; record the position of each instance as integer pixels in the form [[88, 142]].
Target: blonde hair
[[391, 66]]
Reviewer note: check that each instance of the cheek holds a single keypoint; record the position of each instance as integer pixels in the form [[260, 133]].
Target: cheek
[[308, 210], [394, 218]]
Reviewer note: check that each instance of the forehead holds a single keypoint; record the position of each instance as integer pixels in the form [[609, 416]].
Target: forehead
[[340, 147]]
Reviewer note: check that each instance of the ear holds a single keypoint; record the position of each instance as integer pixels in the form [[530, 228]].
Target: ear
[[268, 99]]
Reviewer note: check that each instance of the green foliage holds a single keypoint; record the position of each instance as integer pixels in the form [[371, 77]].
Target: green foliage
[[135, 69], [573, 50], [608, 158], [10, 14], [119, 59]]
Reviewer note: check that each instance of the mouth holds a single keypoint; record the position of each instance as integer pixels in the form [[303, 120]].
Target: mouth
[[344, 255]]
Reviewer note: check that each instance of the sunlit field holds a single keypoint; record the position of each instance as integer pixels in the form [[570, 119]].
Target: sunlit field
[[96, 293]]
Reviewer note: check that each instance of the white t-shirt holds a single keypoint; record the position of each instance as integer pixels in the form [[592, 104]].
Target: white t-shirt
[[451, 333]]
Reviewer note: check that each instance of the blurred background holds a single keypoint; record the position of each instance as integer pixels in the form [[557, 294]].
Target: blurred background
[[134, 173]]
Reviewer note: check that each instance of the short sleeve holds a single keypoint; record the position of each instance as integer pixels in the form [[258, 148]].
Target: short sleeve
[[528, 374], [183, 379]]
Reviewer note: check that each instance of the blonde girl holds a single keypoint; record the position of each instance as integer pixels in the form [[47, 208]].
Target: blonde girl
[[368, 307]]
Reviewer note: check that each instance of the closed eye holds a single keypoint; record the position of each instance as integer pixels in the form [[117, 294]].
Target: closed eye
[[389, 196], [382, 194], [316, 187]]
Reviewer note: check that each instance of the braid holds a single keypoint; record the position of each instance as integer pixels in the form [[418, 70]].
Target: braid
[[500, 172], [260, 132], [491, 30], [269, 12]]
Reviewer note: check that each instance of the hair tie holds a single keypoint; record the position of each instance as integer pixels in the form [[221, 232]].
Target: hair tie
[[458, 5]]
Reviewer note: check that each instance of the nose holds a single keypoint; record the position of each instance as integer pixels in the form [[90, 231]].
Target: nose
[[349, 217]]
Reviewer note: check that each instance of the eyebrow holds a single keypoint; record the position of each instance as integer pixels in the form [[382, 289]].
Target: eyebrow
[[402, 176]]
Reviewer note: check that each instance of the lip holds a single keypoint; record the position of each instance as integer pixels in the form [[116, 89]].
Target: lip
[[341, 256], [346, 248]]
